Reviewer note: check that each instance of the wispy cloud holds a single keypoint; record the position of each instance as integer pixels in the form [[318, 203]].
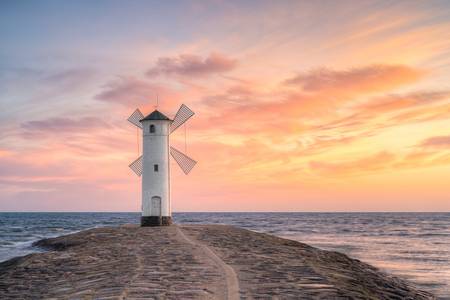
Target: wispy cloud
[[363, 165], [363, 79], [317, 99], [65, 125], [128, 91], [397, 102], [438, 142], [192, 65], [132, 92], [70, 77]]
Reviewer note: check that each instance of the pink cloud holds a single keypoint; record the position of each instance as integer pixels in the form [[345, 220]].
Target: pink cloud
[[188, 65], [132, 93], [128, 91], [442, 142]]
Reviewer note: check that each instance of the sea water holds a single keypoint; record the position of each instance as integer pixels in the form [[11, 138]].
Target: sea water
[[413, 246]]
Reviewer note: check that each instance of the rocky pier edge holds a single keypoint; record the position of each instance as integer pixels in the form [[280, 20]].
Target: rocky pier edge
[[192, 262]]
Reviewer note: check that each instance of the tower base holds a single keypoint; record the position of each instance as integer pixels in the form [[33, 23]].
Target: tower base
[[155, 221]]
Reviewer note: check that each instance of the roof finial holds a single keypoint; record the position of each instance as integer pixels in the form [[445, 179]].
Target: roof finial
[[157, 101]]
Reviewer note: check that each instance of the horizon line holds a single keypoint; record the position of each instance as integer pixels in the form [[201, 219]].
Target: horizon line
[[230, 212]]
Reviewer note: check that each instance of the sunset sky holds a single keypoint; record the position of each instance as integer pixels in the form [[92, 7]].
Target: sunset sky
[[300, 106]]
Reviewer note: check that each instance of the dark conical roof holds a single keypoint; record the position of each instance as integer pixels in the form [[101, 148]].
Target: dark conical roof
[[155, 115]]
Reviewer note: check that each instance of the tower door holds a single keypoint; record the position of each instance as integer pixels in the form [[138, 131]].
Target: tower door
[[156, 206]]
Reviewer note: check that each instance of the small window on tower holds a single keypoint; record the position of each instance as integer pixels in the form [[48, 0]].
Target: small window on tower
[[152, 128], [155, 168]]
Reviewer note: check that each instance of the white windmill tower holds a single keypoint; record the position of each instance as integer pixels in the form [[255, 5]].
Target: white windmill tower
[[154, 163]]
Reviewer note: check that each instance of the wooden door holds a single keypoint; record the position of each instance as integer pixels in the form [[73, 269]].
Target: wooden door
[[156, 206]]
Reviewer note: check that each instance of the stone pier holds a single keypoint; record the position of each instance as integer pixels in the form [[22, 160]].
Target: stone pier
[[192, 262]]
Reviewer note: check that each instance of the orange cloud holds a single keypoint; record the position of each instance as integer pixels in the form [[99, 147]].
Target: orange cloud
[[380, 113], [395, 102], [317, 97], [367, 164], [425, 114], [355, 80], [379, 162]]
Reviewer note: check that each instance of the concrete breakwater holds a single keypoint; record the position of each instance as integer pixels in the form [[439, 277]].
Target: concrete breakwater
[[192, 262]]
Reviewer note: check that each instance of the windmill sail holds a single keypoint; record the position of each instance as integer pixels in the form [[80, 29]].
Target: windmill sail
[[135, 117], [136, 166], [185, 162], [183, 114]]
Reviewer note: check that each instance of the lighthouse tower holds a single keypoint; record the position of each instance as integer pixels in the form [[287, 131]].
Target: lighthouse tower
[[154, 163], [156, 208]]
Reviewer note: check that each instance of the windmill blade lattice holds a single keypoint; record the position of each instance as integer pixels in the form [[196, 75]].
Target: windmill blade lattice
[[185, 162], [135, 117], [136, 166], [183, 114]]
